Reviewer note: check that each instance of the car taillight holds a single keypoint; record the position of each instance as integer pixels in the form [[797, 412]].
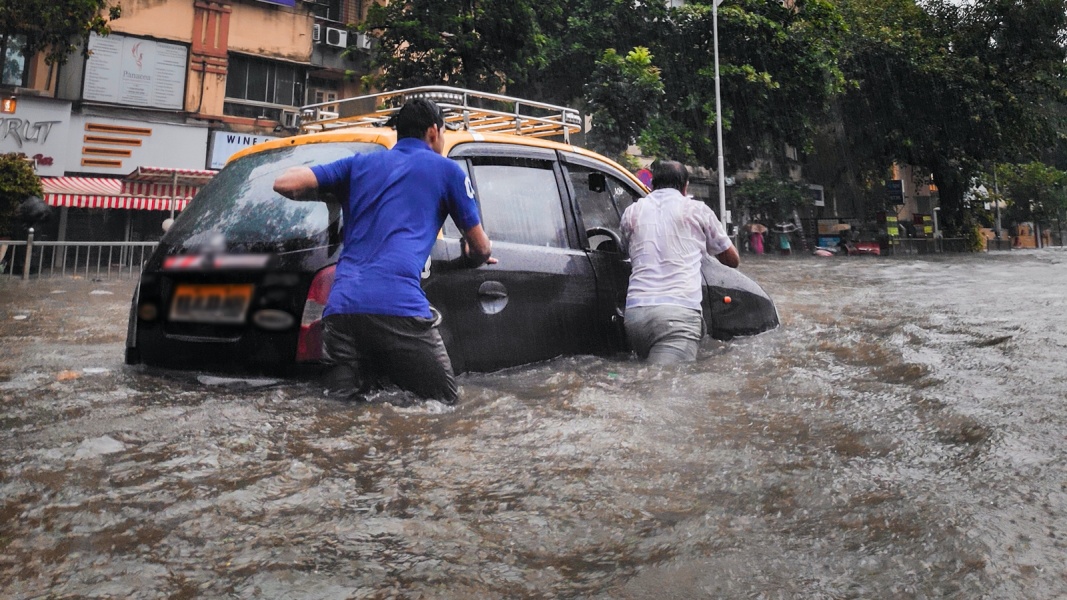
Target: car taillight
[[309, 344]]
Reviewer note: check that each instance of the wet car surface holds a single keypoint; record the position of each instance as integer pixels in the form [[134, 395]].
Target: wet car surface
[[900, 436]]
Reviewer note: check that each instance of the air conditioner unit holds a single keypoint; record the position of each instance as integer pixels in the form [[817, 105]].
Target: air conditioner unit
[[336, 37], [316, 33], [363, 41], [290, 119]]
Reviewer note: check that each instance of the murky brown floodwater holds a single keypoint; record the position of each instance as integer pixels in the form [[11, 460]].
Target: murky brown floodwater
[[903, 435]]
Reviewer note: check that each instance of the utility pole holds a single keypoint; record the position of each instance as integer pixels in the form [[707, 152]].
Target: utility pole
[[718, 113], [996, 206]]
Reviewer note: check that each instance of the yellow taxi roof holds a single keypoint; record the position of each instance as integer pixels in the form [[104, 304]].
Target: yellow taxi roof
[[387, 137]]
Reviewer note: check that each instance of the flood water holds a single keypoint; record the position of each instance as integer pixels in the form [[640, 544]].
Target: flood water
[[902, 435]]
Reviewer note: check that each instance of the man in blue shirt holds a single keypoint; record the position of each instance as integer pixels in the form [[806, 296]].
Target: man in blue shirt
[[377, 319]]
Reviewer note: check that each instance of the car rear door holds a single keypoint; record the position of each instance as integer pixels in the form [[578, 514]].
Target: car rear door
[[600, 193], [540, 300]]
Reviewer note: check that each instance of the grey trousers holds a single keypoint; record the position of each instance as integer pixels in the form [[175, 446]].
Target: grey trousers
[[408, 351], [664, 334]]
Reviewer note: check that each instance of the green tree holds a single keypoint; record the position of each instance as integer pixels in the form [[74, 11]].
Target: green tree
[[477, 44], [17, 182], [622, 95], [1034, 192], [778, 72], [777, 63], [771, 199], [575, 35], [948, 86], [53, 26]]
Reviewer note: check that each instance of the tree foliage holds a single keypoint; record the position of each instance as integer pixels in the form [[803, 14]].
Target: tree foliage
[[1034, 192], [477, 44], [54, 27], [17, 183], [771, 199], [948, 87], [941, 85], [777, 65], [777, 69], [623, 94], [575, 35]]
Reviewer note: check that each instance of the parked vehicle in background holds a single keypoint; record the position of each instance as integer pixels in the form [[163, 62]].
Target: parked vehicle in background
[[239, 282]]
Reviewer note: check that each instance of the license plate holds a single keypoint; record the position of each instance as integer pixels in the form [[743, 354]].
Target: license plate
[[211, 303]]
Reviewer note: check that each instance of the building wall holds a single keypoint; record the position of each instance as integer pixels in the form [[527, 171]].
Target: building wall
[[920, 196], [275, 32], [75, 132], [167, 20]]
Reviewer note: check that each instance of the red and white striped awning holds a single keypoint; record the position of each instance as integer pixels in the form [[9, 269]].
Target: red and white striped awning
[[147, 188]]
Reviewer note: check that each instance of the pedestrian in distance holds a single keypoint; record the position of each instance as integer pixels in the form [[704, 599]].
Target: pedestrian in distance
[[756, 240], [784, 246], [667, 235], [377, 319]]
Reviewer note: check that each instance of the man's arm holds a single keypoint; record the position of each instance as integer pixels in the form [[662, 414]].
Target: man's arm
[[717, 238], [297, 183], [477, 247], [729, 257]]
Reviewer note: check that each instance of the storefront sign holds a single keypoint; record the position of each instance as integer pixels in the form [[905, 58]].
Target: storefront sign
[[38, 128], [225, 143], [894, 191], [118, 146], [134, 71]]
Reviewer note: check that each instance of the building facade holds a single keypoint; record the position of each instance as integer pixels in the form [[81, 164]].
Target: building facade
[[123, 138]]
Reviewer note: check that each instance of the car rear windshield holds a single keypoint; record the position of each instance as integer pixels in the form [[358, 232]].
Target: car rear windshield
[[239, 209]]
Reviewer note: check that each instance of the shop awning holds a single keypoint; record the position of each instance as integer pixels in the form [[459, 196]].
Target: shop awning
[[147, 188]]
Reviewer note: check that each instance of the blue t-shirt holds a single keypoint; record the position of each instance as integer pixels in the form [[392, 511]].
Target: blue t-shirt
[[397, 203]]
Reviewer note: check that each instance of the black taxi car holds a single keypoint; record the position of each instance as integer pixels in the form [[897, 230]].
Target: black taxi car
[[240, 280]]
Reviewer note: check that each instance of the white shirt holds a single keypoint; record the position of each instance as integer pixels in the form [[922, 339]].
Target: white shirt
[[667, 235]]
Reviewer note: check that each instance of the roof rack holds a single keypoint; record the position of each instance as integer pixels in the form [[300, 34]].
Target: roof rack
[[463, 109]]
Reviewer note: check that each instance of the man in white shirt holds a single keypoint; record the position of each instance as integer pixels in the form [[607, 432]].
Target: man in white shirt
[[667, 234]]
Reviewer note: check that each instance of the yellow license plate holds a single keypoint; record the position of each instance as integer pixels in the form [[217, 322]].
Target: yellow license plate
[[226, 303]]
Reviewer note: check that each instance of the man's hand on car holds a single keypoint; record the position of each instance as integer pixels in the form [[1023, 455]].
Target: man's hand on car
[[476, 247], [477, 259]]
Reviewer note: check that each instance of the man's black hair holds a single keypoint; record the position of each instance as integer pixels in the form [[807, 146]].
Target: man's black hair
[[416, 116], [669, 174]]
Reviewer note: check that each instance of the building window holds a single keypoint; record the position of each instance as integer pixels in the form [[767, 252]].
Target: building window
[[329, 10], [256, 87], [322, 91], [14, 65]]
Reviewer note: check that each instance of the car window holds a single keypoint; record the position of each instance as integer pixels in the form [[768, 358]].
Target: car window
[[594, 197], [622, 194], [520, 200], [240, 207]]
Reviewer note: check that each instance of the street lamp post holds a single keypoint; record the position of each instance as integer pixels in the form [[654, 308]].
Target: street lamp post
[[937, 232], [996, 192], [718, 112]]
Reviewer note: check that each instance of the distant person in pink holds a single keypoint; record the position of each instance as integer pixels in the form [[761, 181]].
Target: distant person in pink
[[755, 239]]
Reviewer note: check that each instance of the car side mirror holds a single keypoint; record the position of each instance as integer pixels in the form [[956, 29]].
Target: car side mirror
[[597, 182]]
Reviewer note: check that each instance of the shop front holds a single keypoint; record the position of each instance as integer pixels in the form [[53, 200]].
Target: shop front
[[130, 209]]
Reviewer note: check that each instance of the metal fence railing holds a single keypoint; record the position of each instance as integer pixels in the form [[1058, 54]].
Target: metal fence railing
[[904, 246], [92, 260]]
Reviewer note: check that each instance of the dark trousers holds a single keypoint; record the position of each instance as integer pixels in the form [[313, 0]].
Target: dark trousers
[[407, 350]]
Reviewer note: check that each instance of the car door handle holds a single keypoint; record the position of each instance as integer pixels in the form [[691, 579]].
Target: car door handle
[[492, 296]]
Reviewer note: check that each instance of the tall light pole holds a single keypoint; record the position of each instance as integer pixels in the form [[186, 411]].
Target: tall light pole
[[718, 112]]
